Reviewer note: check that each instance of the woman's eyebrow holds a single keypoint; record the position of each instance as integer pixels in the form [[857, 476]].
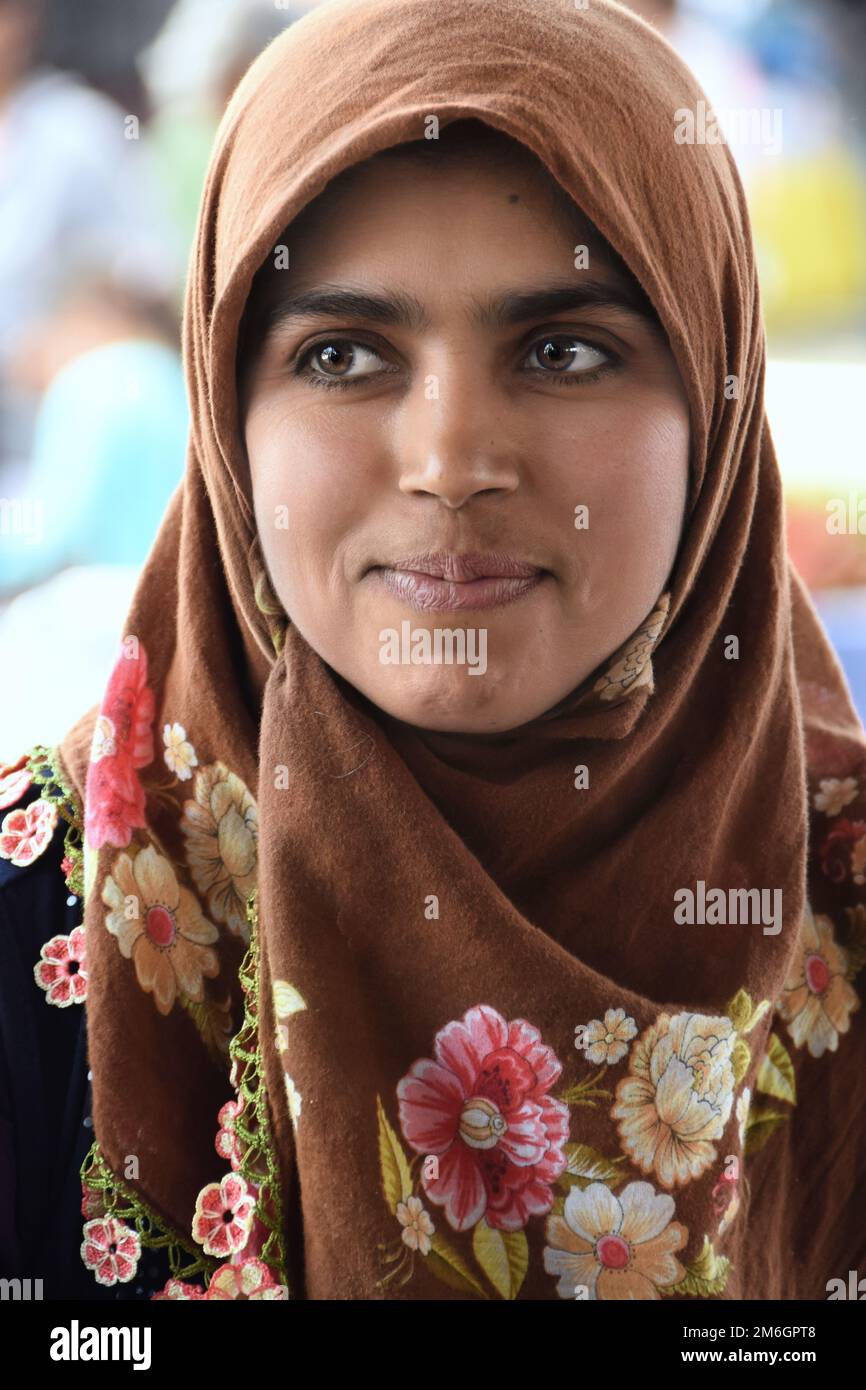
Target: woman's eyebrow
[[396, 308]]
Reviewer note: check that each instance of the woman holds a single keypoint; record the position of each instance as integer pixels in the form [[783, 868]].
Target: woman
[[473, 825]]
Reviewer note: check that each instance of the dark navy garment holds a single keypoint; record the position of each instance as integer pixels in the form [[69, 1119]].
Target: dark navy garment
[[45, 1122]]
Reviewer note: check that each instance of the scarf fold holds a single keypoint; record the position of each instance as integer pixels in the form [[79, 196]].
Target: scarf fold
[[374, 1013]]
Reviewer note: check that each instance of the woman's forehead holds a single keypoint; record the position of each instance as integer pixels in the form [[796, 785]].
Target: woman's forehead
[[482, 157], [593, 266]]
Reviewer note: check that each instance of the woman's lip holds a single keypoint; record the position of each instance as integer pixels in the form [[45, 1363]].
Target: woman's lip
[[461, 568], [428, 593]]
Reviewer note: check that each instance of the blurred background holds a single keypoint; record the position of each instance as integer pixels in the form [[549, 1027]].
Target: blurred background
[[107, 114]]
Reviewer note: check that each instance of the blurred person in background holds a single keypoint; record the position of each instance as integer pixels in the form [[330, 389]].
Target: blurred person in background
[[191, 69], [110, 433], [95, 229], [78, 193], [109, 445]]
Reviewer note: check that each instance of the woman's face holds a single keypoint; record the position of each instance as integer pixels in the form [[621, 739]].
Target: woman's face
[[442, 464]]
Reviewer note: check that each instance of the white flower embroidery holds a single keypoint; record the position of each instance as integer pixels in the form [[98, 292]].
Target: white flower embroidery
[[834, 795], [416, 1223], [180, 756], [607, 1041]]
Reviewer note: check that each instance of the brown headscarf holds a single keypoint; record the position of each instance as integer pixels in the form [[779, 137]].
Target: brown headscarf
[[474, 1052]]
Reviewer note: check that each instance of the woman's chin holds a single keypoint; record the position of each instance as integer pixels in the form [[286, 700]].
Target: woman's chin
[[444, 700]]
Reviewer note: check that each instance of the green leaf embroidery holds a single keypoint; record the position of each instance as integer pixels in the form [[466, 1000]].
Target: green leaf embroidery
[[740, 1009], [586, 1165], [214, 1023], [396, 1178], [757, 1015], [743, 1013], [741, 1056], [504, 1257], [759, 1126], [776, 1072], [451, 1269], [706, 1276]]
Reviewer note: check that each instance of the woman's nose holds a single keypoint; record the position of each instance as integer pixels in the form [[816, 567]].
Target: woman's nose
[[454, 439]]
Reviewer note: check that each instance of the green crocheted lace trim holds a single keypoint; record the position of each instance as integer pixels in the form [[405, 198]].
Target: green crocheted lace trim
[[252, 1126], [118, 1200], [184, 1258], [43, 764]]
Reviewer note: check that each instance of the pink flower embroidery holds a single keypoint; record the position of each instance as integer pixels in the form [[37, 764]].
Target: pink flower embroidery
[[122, 742], [482, 1109], [111, 1249], [227, 1143], [223, 1216], [15, 778], [247, 1280], [62, 971], [726, 1200], [176, 1289], [835, 851], [26, 833]]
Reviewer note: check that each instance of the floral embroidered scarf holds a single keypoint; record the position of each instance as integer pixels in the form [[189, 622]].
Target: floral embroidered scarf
[[365, 1023]]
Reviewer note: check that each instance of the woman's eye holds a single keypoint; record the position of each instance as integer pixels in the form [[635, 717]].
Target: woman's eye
[[560, 355], [335, 362], [341, 362]]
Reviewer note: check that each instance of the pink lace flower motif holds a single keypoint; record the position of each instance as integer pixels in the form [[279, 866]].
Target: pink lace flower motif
[[111, 1249], [482, 1109], [227, 1142], [62, 971], [92, 1204], [15, 779], [255, 1242], [248, 1279], [26, 833], [177, 1289], [122, 742], [223, 1216]]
